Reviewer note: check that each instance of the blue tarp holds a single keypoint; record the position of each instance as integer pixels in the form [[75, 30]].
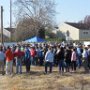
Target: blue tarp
[[35, 39]]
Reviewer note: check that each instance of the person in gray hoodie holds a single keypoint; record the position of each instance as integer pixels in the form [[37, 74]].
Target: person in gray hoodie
[[49, 58], [2, 58]]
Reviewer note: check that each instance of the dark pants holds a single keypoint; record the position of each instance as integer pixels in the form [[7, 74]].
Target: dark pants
[[48, 64], [41, 61], [61, 66], [89, 63], [2, 66], [85, 65], [68, 65], [73, 65], [28, 63]]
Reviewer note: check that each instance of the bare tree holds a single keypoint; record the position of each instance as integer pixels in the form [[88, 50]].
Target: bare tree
[[38, 13], [25, 29], [86, 22]]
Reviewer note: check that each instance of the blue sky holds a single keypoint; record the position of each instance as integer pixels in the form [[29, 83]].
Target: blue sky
[[67, 10], [72, 10], [5, 4]]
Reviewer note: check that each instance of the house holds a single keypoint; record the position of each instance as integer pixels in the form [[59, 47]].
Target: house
[[74, 31], [7, 34]]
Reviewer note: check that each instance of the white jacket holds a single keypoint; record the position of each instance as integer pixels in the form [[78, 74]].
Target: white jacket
[[85, 54], [49, 57]]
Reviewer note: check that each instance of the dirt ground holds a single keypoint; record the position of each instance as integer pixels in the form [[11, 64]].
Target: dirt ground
[[37, 80]]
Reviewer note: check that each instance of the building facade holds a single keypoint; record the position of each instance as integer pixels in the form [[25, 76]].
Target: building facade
[[74, 31], [6, 35]]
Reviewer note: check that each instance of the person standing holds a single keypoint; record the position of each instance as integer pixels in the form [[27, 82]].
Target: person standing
[[68, 53], [49, 58], [18, 54], [2, 58], [9, 61], [27, 59], [40, 56], [73, 60], [79, 56], [60, 57], [33, 54], [85, 58]]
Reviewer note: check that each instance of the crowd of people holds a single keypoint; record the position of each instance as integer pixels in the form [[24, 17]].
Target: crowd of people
[[65, 56]]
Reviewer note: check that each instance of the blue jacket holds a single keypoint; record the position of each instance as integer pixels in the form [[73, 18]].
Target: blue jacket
[[27, 54]]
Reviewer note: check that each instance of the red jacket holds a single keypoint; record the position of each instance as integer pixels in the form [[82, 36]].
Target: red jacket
[[18, 54], [9, 55]]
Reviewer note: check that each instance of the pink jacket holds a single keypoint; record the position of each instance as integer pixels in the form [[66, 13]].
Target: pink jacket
[[73, 56]]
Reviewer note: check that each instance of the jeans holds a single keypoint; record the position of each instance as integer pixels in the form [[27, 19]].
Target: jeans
[[33, 61], [50, 65], [79, 61], [61, 66], [9, 67], [18, 65]]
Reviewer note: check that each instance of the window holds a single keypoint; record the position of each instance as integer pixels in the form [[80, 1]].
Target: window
[[85, 32]]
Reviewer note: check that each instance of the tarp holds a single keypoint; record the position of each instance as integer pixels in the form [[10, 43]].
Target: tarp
[[35, 39]]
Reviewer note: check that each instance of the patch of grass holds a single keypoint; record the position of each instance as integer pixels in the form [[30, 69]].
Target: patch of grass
[[37, 80]]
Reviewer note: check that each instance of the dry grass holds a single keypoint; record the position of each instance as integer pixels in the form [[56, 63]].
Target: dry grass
[[37, 80]]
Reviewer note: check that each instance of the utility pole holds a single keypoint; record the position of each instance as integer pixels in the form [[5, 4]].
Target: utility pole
[[11, 20], [10, 13], [2, 41]]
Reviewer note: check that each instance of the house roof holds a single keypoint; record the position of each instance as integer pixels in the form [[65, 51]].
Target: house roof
[[10, 29], [81, 26]]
